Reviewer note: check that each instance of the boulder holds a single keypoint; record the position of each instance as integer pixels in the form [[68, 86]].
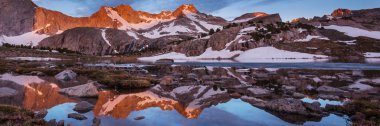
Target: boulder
[[52, 122], [167, 80], [344, 77], [314, 107], [258, 91], [66, 75], [7, 92], [61, 123], [358, 117], [139, 118], [287, 105], [83, 107], [298, 95], [77, 116], [96, 121], [41, 114], [328, 89], [86, 90]]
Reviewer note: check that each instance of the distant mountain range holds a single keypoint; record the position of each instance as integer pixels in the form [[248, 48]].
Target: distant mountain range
[[123, 30]]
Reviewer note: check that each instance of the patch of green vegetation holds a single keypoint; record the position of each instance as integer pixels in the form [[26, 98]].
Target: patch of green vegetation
[[15, 116], [305, 26], [117, 78], [230, 26]]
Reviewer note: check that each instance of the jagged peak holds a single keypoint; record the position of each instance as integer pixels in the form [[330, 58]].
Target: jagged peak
[[185, 8], [340, 12]]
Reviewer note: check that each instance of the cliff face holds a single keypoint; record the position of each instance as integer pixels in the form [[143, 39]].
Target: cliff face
[[341, 13], [93, 41], [16, 17], [48, 22]]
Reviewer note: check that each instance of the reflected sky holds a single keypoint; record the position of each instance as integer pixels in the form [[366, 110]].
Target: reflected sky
[[234, 112]]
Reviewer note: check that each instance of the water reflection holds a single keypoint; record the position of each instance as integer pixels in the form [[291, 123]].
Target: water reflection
[[33, 92], [323, 102], [233, 112]]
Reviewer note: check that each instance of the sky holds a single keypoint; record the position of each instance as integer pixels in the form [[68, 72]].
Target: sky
[[228, 9]]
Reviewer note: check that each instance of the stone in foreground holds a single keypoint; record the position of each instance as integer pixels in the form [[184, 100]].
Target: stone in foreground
[[86, 90], [76, 116], [66, 75], [83, 107]]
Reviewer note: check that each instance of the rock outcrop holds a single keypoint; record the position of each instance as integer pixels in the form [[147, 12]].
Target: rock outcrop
[[86, 90], [16, 17], [341, 13], [249, 16], [66, 75], [91, 41], [83, 107]]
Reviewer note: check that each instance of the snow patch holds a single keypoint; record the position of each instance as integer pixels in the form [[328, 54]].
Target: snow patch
[[355, 32], [372, 54], [248, 29], [265, 54], [105, 38], [30, 38], [193, 16], [310, 37], [242, 20], [171, 29], [133, 34]]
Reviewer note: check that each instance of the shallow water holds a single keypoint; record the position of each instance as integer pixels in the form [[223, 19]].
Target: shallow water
[[189, 102], [233, 112]]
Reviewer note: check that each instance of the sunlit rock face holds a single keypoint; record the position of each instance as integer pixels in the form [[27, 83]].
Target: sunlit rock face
[[249, 16], [50, 22], [341, 13], [33, 92], [122, 17]]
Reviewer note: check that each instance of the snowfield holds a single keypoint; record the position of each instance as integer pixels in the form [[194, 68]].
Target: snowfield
[[271, 54], [355, 32], [30, 38], [372, 54], [262, 55], [171, 29], [310, 37]]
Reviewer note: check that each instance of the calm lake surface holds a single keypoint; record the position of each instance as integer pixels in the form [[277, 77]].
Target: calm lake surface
[[204, 94]]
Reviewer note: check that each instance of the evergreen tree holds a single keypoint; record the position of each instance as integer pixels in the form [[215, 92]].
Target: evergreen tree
[[211, 32]]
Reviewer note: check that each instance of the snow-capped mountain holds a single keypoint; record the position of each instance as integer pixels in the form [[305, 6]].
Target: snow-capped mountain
[[190, 21]]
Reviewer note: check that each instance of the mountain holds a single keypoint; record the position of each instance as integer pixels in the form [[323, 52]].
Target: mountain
[[184, 32], [186, 18]]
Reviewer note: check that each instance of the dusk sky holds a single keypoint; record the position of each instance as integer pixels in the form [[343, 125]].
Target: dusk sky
[[228, 9]]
